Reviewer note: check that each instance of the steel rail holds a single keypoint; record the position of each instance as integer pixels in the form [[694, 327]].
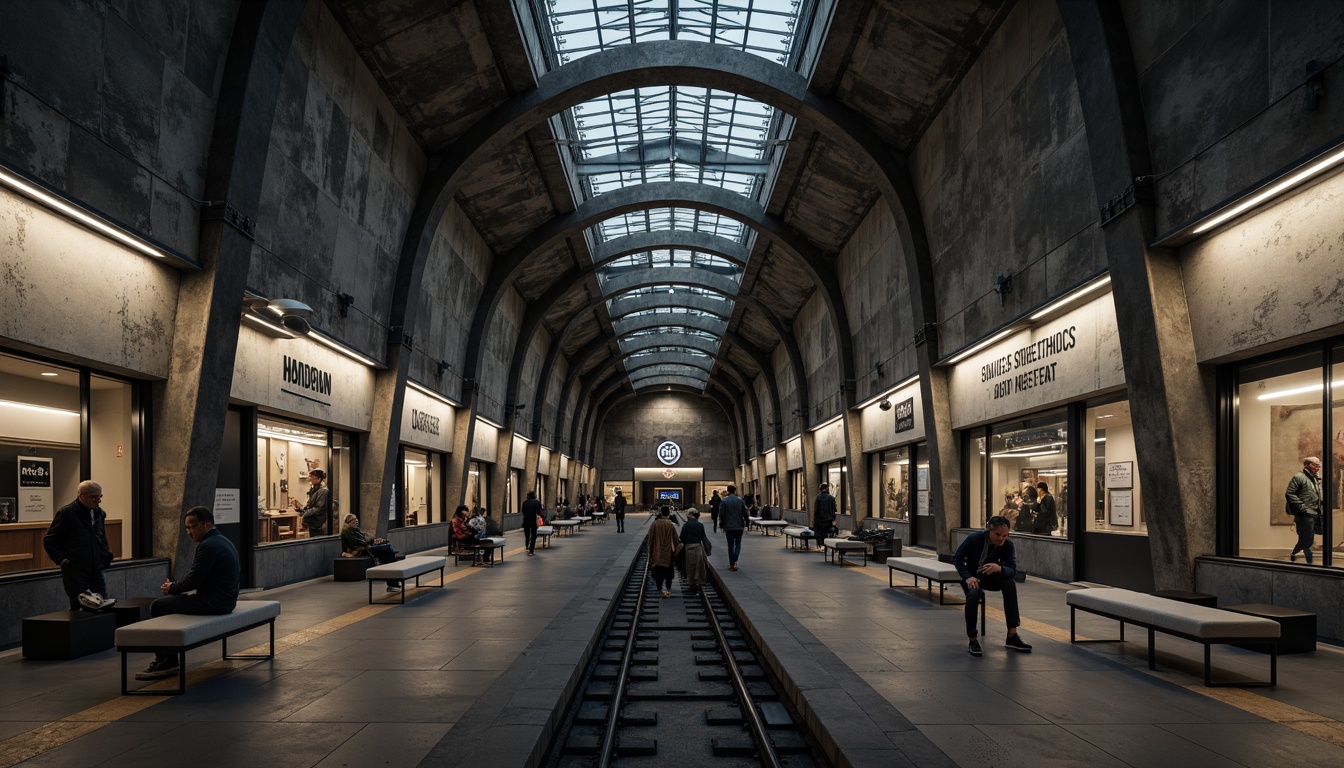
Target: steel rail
[[766, 752], [614, 710]]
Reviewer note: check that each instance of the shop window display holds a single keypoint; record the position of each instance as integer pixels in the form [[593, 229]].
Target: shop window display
[[1111, 463], [287, 453], [835, 475], [1021, 456], [41, 441], [893, 478], [424, 499], [1281, 419]]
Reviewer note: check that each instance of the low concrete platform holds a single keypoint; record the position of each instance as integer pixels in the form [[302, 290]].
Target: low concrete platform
[[476, 673]]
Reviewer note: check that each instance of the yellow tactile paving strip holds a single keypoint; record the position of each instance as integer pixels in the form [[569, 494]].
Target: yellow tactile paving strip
[[1310, 723], [30, 744]]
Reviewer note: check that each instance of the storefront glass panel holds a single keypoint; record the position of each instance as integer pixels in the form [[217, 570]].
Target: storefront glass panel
[[1113, 502], [424, 497], [834, 475], [287, 451], [477, 484], [1023, 454], [893, 478], [41, 442], [797, 491], [1281, 419]]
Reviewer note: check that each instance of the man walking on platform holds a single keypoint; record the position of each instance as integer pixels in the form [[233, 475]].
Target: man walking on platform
[[618, 506], [714, 502], [531, 513], [823, 516], [733, 516]]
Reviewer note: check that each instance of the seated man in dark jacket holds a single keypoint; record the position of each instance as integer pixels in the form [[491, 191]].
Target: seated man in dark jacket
[[986, 561], [213, 578], [355, 543]]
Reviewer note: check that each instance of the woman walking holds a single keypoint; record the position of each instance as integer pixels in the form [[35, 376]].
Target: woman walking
[[664, 543], [696, 542]]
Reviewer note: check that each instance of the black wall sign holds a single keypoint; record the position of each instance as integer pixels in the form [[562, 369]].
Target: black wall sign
[[905, 415], [34, 474]]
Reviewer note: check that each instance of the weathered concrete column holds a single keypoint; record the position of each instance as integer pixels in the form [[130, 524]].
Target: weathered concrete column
[[464, 433], [499, 473], [944, 458], [190, 406], [811, 474], [530, 468], [553, 471], [857, 486], [1169, 395]]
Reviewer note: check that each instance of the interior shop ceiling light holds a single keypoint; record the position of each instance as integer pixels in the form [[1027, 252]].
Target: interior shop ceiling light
[[88, 218], [38, 408], [1299, 390]]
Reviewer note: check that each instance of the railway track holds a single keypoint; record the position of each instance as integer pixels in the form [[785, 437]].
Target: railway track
[[675, 679]]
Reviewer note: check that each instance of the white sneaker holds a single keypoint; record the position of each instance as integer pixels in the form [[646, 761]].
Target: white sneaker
[[91, 600]]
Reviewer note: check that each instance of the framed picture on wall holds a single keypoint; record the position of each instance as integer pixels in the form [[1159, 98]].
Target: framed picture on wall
[[9, 509], [1121, 504]]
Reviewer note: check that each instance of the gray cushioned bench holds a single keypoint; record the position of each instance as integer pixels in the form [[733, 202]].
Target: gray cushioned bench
[[836, 549], [405, 569], [544, 533], [179, 632], [767, 526], [1191, 622], [929, 569], [486, 549], [565, 527], [796, 537]]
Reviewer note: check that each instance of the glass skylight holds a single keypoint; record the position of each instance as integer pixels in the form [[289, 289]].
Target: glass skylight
[[671, 132]]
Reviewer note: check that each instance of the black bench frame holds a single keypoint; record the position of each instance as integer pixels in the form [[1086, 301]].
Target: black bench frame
[[402, 593], [1271, 643], [942, 583], [181, 652], [836, 555]]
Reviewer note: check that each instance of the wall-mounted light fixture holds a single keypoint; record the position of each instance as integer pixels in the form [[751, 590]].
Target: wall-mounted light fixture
[[89, 218], [1003, 285], [441, 366], [1314, 166], [888, 393], [345, 301], [288, 314]]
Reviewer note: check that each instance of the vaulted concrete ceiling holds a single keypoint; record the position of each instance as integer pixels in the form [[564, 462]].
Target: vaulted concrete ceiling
[[447, 66]]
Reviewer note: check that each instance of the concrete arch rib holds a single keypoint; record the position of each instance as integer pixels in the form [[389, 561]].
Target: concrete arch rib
[[669, 379], [682, 320], [668, 362], [733, 401], [631, 303], [700, 278], [669, 369], [630, 346], [691, 240], [754, 418]]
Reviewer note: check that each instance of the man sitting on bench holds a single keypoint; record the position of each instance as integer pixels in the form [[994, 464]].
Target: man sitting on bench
[[986, 561], [357, 543], [213, 577]]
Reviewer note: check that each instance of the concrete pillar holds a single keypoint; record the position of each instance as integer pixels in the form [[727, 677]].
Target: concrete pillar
[[464, 432], [1170, 398], [811, 474], [857, 487], [499, 473], [941, 445], [530, 468], [190, 406], [553, 471]]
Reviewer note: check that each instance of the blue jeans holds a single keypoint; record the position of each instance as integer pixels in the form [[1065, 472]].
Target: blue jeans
[[734, 544]]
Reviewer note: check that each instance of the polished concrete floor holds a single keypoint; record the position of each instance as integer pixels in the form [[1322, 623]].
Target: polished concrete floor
[[476, 673]]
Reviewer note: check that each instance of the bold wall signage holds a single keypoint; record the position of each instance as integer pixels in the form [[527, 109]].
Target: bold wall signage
[[669, 453], [1029, 365], [905, 415], [298, 375], [424, 422]]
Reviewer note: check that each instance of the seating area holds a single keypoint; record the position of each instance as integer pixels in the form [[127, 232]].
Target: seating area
[[797, 537], [772, 527], [411, 567], [180, 633], [836, 549], [1197, 623], [544, 533], [927, 568]]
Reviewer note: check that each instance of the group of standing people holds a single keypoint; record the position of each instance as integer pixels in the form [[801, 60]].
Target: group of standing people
[[1031, 510]]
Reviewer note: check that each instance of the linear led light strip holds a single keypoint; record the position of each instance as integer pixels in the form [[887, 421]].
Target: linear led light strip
[[318, 336], [263, 432], [1078, 294], [1274, 189], [38, 408], [1298, 390], [889, 392], [30, 190]]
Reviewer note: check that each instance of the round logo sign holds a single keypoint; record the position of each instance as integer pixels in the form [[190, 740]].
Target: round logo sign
[[669, 453]]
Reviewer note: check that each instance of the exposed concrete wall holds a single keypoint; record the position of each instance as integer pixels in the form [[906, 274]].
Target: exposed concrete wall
[[556, 377], [1004, 181], [877, 296], [341, 180], [114, 103], [821, 359], [455, 274], [1221, 85], [1234, 311], [501, 336], [633, 430], [788, 391], [531, 379]]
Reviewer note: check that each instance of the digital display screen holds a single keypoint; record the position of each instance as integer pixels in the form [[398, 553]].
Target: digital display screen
[[669, 495]]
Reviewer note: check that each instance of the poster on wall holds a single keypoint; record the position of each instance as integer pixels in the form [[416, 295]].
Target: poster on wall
[[228, 503], [1121, 504], [35, 489], [1120, 474], [9, 510]]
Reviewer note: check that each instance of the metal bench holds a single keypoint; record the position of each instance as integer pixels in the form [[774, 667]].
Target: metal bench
[[836, 549], [927, 568]]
